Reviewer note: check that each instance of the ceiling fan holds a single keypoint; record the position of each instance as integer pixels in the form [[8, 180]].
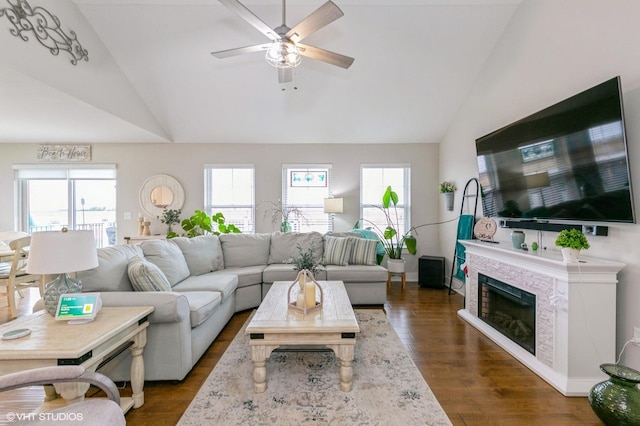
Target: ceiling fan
[[284, 49]]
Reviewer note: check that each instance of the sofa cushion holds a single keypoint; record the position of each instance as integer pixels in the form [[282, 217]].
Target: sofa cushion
[[337, 250], [247, 276], [145, 276], [245, 249], [363, 252], [285, 272], [223, 283], [284, 246], [111, 273], [201, 305], [356, 273], [168, 257], [203, 253]]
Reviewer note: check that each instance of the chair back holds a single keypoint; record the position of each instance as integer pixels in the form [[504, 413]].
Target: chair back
[[8, 236], [20, 254]]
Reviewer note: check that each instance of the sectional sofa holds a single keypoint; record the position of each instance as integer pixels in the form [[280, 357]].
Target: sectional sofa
[[197, 284]]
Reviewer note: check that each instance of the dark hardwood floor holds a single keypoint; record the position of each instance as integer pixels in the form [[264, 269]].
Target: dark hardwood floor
[[475, 381]]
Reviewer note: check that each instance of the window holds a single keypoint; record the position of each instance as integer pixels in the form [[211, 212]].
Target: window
[[229, 189], [52, 197], [374, 180], [304, 188]]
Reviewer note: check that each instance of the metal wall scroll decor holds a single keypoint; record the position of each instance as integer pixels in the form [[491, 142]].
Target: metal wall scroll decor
[[64, 153], [45, 27]]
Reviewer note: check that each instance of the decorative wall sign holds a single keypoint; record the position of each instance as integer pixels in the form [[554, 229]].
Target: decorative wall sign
[[308, 178], [64, 152], [45, 27]]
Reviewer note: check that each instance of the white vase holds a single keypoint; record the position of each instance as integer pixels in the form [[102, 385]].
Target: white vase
[[395, 265], [569, 254]]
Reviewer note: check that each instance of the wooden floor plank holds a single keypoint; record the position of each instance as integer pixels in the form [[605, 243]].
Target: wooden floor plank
[[475, 381]]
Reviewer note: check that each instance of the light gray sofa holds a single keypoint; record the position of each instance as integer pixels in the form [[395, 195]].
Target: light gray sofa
[[211, 278]]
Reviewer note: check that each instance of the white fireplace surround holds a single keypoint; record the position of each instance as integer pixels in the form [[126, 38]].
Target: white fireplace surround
[[575, 310]]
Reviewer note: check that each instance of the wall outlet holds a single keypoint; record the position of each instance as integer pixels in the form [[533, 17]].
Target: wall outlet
[[636, 335]]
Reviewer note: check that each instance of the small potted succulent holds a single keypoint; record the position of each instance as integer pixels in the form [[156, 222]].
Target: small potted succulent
[[571, 241], [447, 189]]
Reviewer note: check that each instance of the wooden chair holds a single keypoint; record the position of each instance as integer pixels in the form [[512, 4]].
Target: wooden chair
[[94, 411], [14, 276]]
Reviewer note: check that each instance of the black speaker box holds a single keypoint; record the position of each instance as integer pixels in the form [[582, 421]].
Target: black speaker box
[[431, 271]]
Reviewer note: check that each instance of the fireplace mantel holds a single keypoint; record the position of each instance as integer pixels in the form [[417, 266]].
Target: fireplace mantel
[[575, 310]]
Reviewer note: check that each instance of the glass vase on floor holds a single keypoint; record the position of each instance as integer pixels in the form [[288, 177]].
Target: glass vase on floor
[[617, 401]]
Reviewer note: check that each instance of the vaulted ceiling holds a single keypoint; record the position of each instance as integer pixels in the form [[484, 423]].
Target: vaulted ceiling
[[150, 76]]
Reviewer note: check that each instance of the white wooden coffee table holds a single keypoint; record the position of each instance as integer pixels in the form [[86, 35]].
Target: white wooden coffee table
[[274, 325], [54, 343]]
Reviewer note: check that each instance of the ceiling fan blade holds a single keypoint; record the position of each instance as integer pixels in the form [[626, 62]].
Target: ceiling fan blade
[[322, 16], [285, 75], [238, 8], [241, 50], [324, 55]]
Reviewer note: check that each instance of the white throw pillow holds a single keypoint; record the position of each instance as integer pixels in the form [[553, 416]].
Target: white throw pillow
[[145, 276]]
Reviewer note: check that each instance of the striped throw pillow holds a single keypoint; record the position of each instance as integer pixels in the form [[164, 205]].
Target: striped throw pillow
[[146, 276], [363, 252], [337, 250]]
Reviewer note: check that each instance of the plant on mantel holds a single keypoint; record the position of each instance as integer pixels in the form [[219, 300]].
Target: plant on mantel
[[201, 224], [572, 238]]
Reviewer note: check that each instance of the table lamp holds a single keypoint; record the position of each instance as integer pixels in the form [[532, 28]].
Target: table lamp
[[61, 252]]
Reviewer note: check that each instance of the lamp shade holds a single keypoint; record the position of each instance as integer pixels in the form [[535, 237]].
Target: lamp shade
[[61, 252], [333, 205]]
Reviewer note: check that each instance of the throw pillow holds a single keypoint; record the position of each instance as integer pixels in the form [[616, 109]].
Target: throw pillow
[[363, 252], [337, 250], [145, 276]]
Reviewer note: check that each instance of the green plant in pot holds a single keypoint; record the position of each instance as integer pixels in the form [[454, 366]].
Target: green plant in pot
[[283, 214], [306, 260], [447, 189], [571, 241], [170, 217], [201, 224], [393, 241]]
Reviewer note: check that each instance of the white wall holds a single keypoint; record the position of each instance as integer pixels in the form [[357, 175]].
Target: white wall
[[551, 50], [137, 162]]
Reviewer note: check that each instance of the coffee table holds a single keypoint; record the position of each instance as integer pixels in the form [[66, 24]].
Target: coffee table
[[274, 325], [54, 343]]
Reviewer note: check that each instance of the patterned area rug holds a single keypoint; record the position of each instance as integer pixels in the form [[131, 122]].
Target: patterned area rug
[[304, 388]]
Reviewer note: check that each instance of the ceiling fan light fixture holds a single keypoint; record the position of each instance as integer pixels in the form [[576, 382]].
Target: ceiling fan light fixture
[[283, 54]]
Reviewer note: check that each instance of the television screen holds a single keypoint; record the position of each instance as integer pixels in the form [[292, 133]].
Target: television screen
[[567, 162]]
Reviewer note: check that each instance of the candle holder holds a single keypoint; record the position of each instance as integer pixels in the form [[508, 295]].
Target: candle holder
[[305, 301]]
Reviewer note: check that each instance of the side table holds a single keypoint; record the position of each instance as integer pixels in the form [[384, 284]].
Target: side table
[[54, 343]]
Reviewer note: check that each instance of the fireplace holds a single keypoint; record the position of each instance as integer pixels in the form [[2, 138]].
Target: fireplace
[[509, 310]]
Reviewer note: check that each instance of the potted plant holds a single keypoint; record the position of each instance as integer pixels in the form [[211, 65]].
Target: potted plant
[[447, 189], [201, 224], [571, 241], [283, 214], [170, 216], [392, 240], [306, 260]]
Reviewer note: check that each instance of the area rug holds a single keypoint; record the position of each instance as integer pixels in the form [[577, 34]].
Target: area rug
[[304, 388]]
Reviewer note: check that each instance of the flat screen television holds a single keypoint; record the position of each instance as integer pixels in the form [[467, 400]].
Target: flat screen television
[[565, 164]]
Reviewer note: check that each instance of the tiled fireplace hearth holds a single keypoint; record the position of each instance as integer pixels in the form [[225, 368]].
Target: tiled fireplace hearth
[[574, 317]]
